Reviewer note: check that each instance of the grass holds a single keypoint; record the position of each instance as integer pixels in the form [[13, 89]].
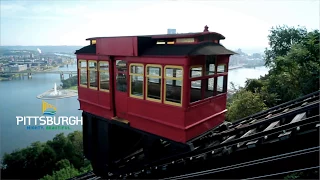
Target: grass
[[4, 79], [73, 88]]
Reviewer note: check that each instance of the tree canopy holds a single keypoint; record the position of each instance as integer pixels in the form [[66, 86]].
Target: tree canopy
[[59, 157], [72, 81], [293, 60]]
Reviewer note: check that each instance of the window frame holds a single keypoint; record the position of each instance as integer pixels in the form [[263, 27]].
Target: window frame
[[196, 66], [81, 68], [207, 89], [191, 79], [152, 76], [215, 66], [172, 78], [88, 74], [99, 79], [205, 77], [134, 74], [225, 68], [224, 84]]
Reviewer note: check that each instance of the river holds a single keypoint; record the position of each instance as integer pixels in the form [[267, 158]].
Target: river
[[18, 98]]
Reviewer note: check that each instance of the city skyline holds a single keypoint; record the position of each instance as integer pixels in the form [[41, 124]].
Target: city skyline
[[245, 24]]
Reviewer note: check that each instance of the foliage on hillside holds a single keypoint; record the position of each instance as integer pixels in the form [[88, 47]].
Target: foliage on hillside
[[63, 154], [293, 59], [72, 81], [244, 103]]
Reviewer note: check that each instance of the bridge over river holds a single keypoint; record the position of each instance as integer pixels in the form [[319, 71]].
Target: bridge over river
[[42, 72], [29, 73]]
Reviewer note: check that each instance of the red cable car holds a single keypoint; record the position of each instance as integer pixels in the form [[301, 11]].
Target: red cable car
[[141, 91]]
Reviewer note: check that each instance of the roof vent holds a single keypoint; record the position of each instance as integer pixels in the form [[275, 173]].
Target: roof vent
[[206, 29]]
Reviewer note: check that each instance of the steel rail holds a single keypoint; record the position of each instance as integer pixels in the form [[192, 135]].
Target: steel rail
[[307, 121], [248, 138], [278, 106], [285, 172], [246, 164]]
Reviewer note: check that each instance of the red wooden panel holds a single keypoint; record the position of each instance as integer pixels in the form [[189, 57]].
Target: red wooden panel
[[105, 100], [169, 132], [90, 101], [87, 57], [206, 109], [179, 61], [95, 109], [117, 46], [223, 59], [197, 60], [201, 117], [209, 123], [157, 112], [156, 118]]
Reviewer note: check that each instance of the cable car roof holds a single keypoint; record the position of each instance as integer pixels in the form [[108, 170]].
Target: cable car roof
[[204, 48]]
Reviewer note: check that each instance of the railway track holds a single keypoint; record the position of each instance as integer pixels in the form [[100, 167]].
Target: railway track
[[88, 176], [292, 127]]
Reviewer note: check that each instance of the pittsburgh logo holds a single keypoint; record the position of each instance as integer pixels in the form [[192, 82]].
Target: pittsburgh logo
[[48, 109]]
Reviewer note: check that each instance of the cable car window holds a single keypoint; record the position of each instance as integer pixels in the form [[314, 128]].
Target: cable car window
[[209, 92], [196, 71], [83, 80], [93, 74], [173, 73], [121, 75], [195, 91], [221, 68], [210, 64], [136, 80], [173, 85], [221, 84], [104, 76], [154, 82]]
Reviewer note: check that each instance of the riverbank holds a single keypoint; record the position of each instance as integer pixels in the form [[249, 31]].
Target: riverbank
[[5, 79], [48, 95], [235, 67], [72, 88]]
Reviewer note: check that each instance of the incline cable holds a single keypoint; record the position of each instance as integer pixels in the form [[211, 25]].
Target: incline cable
[[250, 163], [284, 172]]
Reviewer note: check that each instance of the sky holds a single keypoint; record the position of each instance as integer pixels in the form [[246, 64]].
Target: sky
[[244, 23]]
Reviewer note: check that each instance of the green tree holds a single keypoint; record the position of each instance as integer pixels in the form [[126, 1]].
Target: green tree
[[243, 104], [293, 59], [64, 173], [64, 163], [61, 155], [281, 38], [72, 81]]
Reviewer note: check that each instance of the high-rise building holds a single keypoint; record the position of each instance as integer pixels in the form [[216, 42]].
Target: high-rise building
[[172, 31]]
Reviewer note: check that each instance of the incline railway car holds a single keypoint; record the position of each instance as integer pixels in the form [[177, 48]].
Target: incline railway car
[[151, 93]]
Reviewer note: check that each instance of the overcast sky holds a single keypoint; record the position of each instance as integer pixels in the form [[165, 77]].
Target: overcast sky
[[244, 23]]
